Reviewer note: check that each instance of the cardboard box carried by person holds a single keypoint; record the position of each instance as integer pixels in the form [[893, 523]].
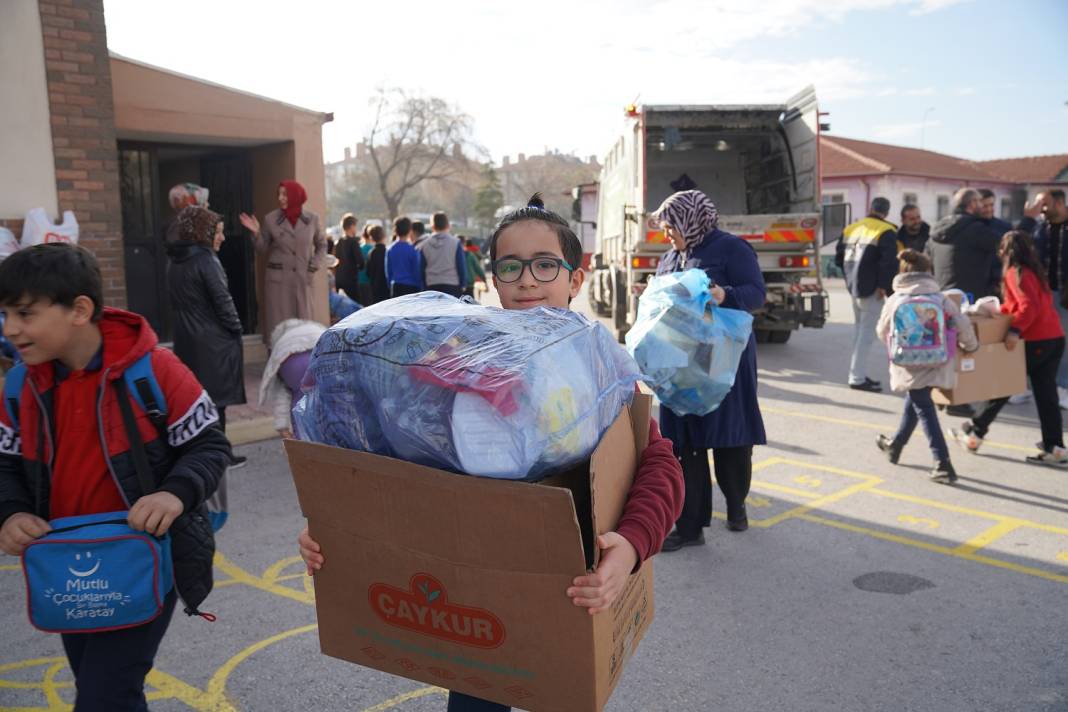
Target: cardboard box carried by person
[[991, 329], [460, 581], [990, 372]]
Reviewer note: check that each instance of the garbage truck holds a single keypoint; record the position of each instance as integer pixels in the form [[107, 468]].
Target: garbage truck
[[758, 163]]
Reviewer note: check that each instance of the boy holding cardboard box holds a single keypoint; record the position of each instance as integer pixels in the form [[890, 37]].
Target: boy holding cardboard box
[[1029, 300], [535, 256]]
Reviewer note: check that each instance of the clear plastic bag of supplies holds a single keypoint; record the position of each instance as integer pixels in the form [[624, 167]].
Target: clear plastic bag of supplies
[[687, 347], [452, 384]]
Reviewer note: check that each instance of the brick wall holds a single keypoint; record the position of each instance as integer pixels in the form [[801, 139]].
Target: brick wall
[[83, 131], [14, 226]]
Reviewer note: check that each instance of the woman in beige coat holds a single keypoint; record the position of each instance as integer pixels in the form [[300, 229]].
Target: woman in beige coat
[[295, 248], [916, 380]]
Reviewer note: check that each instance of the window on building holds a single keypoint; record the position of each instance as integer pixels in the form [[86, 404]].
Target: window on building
[[833, 198], [909, 199], [943, 206], [1006, 209]]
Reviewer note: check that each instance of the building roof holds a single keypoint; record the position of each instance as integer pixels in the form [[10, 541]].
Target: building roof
[[844, 157], [324, 116], [1030, 169]]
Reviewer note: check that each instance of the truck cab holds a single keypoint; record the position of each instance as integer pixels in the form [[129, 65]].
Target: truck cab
[[758, 163]]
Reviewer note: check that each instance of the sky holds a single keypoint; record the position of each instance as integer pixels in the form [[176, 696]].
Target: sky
[[978, 79]]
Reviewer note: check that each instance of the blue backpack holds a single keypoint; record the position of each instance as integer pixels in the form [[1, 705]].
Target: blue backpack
[[138, 382]]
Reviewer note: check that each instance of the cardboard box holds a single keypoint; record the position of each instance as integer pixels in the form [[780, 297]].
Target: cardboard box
[[991, 329], [991, 372], [460, 581]]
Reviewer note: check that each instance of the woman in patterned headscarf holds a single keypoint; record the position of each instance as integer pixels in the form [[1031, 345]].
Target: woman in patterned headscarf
[[690, 220]]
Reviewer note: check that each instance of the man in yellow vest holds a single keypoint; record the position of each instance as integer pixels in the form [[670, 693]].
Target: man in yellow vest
[[867, 253]]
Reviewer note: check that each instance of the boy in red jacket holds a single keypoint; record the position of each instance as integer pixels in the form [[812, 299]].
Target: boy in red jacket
[[535, 258], [1034, 320], [67, 453]]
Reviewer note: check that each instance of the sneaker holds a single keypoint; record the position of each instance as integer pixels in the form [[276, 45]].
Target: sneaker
[[893, 451], [967, 440], [1058, 456], [867, 385], [1020, 398], [238, 461], [943, 473], [674, 542]]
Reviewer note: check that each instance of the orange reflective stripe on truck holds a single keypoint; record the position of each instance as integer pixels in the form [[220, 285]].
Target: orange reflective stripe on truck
[[658, 236], [790, 236]]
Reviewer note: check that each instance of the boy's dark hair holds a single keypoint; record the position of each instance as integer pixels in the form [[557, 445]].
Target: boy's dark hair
[[570, 245], [418, 228], [440, 221], [880, 206], [985, 193], [56, 271], [377, 233], [402, 226], [908, 207], [1057, 194], [348, 220]]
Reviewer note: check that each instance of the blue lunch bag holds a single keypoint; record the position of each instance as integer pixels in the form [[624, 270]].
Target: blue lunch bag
[[93, 573]]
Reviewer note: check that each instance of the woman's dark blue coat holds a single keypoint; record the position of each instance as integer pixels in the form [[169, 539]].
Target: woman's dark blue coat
[[732, 264]]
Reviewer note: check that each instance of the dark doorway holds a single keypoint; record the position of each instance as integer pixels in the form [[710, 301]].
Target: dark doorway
[[229, 180], [147, 172], [143, 253]]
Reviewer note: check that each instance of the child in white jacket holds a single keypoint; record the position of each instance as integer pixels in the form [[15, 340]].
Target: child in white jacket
[[292, 342], [917, 380]]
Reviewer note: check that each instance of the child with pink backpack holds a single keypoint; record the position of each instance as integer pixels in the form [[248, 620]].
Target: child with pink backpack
[[921, 328]]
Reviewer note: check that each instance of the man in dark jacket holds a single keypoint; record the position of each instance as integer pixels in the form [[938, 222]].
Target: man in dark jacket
[[914, 231], [867, 253], [963, 248]]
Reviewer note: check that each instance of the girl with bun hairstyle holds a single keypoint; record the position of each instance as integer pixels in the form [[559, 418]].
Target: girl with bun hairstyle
[[915, 280]]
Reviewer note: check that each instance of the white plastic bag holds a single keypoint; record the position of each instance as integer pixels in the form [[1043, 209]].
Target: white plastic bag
[[8, 244], [39, 229]]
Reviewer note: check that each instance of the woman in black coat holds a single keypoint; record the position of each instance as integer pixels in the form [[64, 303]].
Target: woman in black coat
[[207, 330], [690, 220]]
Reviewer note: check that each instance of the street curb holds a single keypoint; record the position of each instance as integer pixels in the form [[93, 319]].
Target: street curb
[[243, 432]]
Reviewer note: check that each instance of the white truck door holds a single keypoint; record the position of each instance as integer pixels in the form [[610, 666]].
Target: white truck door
[[801, 124]]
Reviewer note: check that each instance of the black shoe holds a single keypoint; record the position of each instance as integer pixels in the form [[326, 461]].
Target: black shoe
[[737, 521], [238, 461], [867, 385], [674, 542], [943, 473], [960, 411], [892, 450]]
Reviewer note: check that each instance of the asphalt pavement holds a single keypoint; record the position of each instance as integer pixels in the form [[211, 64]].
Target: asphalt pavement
[[859, 586]]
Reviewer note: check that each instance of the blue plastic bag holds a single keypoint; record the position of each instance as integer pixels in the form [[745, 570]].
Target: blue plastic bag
[[459, 386], [687, 348]]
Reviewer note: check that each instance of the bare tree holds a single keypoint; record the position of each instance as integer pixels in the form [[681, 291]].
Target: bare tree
[[415, 139]]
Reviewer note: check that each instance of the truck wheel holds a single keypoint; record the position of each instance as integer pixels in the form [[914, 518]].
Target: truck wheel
[[779, 337], [602, 307], [763, 336]]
